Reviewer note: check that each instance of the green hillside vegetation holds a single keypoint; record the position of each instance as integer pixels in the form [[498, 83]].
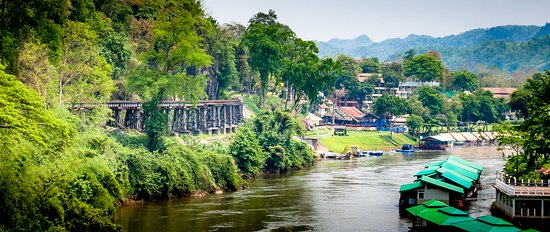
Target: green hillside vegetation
[[63, 170]]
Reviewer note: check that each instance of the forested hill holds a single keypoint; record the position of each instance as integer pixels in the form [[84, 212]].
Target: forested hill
[[506, 47]]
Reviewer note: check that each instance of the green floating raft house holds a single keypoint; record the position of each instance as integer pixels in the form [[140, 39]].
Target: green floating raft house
[[450, 181], [434, 215]]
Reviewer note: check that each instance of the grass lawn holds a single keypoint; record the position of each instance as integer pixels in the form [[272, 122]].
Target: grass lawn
[[363, 140]]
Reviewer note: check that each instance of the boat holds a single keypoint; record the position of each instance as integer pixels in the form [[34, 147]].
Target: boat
[[376, 152], [406, 148]]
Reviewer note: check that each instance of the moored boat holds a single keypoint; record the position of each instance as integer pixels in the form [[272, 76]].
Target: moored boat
[[406, 148], [376, 152]]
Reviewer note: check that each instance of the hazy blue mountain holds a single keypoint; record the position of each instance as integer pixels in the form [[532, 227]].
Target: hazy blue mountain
[[505, 47]]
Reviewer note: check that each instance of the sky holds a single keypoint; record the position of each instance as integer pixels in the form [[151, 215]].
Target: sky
[[383, 19]]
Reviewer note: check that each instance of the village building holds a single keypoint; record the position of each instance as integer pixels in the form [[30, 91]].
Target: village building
[[311, 121], [405, 89], [344, 116], [436, 142], [450, 181], [501, 92]]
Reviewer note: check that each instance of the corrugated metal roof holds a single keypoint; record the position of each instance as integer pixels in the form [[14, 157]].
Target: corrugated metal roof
[[469, 136], [442, 184], [491, 220], [438, 137], [353, 112], [447, 136], [425, 172], [435, 163], [463, 181], [458, 137], [480, 226], [467, 173], [443, 216], [409, 187], [466, 162], [463, 166], [428, 206]]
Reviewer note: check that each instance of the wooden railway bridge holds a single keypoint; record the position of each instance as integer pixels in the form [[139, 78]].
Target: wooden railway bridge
[[206, 116]]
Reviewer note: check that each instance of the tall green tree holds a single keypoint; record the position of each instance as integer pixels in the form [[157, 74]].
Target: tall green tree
[[533, 133], [424, 68], [220, 43], [388, 106], [431, 99], [84, 75], [266, 40], [171, 66], [464, 80]]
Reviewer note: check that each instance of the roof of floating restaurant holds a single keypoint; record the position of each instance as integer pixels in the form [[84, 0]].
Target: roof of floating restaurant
[[440, 213], [447, 136], [437, 138], [408, 187], [466, 162], [482, 226], [452, 174], [469, 136], [456, 177], [442, 184], [445, 216], [458, 137]]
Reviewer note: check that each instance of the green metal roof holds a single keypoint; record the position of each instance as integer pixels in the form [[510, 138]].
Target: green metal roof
[[456, 178], [415, 210], [435, 163], [409, 187], [466, 162], [442, 217], [453, 167], [442, 184], [453, 211], [427, 206], [479, 226], [425, 172], [465, 167], [494, 221], [434, 203]]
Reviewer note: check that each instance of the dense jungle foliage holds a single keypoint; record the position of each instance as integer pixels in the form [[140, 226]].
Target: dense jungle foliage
[[64, 170]]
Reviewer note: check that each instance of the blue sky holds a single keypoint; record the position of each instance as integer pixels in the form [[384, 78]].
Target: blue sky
[[384, 19]]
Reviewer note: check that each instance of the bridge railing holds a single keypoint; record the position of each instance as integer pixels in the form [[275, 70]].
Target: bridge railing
[[163, 104]]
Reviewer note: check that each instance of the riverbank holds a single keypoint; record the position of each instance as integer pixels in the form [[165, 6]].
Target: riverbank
[[364, 140]]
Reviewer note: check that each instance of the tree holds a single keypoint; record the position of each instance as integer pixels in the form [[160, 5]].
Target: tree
[[424, 68], [247, 152], [431, 99], [84, 75], [533, 133], [409, 55], [464, 80], [388, 106], [415, 122], [171, 65], [299, 66], [35, 69], [370, 65], [220, 44], [25, 123], [266, 39]]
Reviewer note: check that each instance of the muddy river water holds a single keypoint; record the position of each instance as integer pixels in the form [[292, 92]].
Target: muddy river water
[[336, 195]]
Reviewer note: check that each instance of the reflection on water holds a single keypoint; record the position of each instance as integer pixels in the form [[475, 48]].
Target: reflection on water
[[336, 195]]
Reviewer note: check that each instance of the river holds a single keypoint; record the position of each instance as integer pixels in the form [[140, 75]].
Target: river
[[335, 195]]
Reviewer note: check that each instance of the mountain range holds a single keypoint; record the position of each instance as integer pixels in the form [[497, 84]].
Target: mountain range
[[508, 48]]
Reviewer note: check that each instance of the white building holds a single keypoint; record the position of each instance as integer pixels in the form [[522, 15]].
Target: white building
[[406, 88]]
